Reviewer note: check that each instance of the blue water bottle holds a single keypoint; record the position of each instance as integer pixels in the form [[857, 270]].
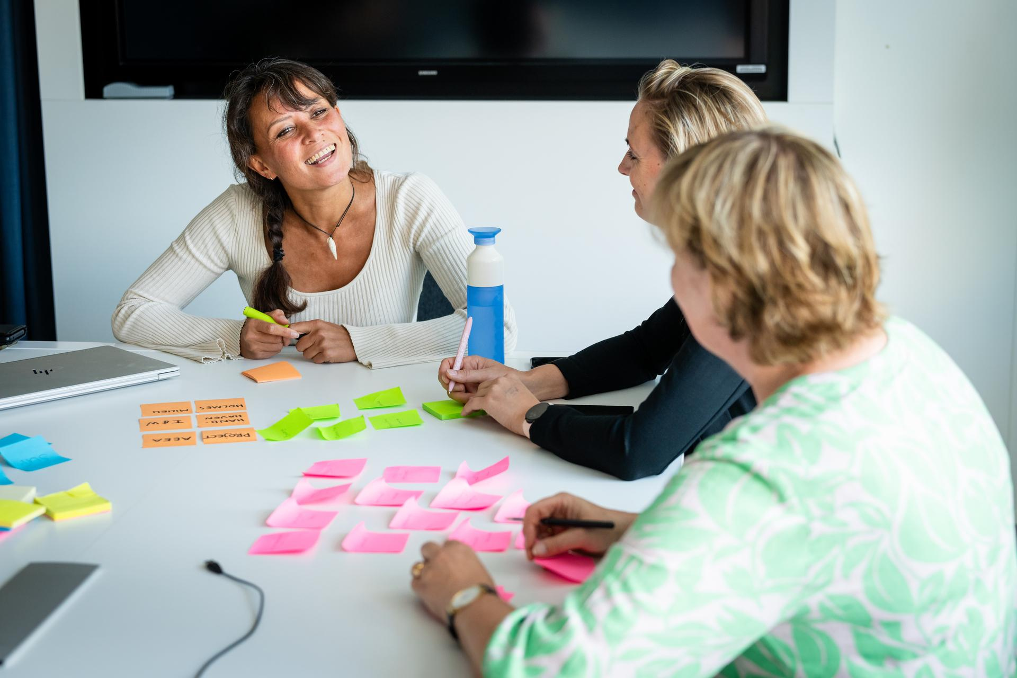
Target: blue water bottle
[[485, 296]]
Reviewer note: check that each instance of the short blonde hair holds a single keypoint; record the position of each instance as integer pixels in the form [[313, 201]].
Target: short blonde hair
[[689, 106], [783, 233]]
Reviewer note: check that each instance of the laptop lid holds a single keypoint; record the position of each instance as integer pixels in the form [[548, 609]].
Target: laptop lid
[[62, 375]]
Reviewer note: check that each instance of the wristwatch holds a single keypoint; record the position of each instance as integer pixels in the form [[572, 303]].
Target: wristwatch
[[461, 600], [533, 414]]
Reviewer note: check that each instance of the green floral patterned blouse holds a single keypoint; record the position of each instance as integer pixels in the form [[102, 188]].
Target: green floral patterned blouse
[[857, 523]]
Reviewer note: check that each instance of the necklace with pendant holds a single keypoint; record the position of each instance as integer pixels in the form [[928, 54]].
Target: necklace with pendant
[[329, 241]]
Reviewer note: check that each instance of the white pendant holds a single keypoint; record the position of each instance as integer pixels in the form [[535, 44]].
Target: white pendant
[[331, 248]]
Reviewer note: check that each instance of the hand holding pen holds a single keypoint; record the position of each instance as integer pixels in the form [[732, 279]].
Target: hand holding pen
[[567, 523]]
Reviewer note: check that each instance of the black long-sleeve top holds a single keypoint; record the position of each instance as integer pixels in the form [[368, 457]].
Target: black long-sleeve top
[[697, 396]]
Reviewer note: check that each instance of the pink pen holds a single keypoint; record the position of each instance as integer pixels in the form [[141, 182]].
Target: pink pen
[[458, 365]]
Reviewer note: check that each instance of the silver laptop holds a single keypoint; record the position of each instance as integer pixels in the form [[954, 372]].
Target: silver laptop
[[72, 373]]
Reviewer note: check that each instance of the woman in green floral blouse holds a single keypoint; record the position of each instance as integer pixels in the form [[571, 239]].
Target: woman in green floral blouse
[[858, 522]]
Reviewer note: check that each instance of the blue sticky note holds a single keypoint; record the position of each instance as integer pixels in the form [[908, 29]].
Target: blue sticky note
[[11, 439], [31, 454], [4, 480]]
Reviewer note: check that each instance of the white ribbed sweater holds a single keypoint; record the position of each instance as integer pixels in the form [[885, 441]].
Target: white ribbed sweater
[[417, 230]]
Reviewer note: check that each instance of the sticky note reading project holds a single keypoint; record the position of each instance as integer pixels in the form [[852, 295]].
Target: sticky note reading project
[[392, 397], [287, 427], [165, 423], [177, 439], [343, 429], [280, 371], [74, 503], [223, 419], [221, 405], [166, 409], [396, 420], [232, 435]]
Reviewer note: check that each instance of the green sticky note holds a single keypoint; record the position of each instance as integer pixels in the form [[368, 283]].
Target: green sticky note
[[392, 397], [343, 429], [397, 420], [320, 412], [287, 427], [449, 409]]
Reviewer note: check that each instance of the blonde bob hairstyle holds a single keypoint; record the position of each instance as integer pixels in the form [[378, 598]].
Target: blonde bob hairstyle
[[688, 106], [783, 234]]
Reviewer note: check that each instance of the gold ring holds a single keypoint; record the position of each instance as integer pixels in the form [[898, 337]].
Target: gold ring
[[417, 568]]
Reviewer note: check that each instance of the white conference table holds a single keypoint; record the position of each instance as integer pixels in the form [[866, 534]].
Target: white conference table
[[153, 610]]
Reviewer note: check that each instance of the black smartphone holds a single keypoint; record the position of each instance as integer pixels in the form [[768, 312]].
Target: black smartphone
[[9, 334], [603, 409], [543, 360]]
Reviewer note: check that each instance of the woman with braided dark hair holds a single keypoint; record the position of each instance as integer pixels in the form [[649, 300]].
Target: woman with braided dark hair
[[317, 238]]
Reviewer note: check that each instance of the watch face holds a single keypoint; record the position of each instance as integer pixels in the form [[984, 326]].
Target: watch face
[[465, 597], [534, 412]]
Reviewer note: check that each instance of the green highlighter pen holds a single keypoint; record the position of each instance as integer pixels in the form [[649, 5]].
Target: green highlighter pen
[[258, 315]]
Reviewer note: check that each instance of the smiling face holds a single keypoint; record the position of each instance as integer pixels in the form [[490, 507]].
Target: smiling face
[[643, 160], [307, 149]]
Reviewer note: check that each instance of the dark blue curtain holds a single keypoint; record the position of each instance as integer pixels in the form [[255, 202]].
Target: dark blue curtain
[[26, 282]]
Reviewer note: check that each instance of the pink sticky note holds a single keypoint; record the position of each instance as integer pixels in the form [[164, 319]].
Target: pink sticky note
[[359, 540], [290, 514], [306, 493], [571, 566], [472, 477], [504, 593], [521, 541], [379, 493], [480, 540], [412, 474], [336, 468], [411, 517], [284, 542], [459, 495], [513, 507]]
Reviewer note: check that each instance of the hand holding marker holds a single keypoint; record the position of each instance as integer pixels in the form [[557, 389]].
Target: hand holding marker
[[458, 365]]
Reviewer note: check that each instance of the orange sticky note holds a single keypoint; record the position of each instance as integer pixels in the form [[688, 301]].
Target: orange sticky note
[[280, 371], [229, 435], [223, 419], [220, 405], [166, 409], [165, 423], [175, 439]]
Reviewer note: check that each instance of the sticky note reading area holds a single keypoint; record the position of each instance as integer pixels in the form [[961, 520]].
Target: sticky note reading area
[[29, 454], [344, 429], [287, 427], [276, 543], [232, 435], [513, 508], [166, 409], [14, 514], [571, 566], [392, 397], [458, 494], [169, 439], [411, 517], [223, 419], [280, 371], [291, 514], [396, 420], [379, 493], [448, 409], [411, 474], [359, 540], [221, 405], [472, 477], [481, 540], [165, 423], [321, 412], [74, 503]]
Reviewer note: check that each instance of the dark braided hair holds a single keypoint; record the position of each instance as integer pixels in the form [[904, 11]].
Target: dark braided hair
[[274, 79]]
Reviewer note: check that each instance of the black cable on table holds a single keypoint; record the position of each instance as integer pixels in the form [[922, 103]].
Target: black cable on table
[[215, 568]]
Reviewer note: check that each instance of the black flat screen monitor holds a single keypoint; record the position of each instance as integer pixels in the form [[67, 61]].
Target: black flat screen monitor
[[437, 49]]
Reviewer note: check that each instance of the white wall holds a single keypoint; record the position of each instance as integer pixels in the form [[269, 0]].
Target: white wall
[[925, 110]]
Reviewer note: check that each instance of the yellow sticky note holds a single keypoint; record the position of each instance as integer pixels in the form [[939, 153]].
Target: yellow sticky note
[[280, 371], [74, 503], [16, 513]]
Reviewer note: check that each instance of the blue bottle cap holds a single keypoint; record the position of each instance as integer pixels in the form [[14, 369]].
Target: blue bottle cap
[[485, 235]]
